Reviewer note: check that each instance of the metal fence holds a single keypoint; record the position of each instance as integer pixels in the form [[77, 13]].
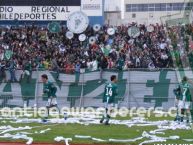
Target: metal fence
[[136, 88]]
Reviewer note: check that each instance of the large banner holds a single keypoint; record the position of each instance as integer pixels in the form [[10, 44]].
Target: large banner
[[52, 10], [135, 89], [50, 13]]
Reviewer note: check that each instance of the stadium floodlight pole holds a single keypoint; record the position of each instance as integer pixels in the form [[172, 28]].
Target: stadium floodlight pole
[[82, 71]]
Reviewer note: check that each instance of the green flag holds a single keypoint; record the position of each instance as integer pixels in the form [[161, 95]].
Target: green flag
[[8, 54], [106, 50], [54, 27]]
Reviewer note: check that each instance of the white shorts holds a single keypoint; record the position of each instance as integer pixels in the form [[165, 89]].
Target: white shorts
[[51, 101], [184, 104]]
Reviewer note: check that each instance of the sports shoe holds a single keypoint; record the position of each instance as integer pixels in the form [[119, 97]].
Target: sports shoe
[[65, 116], [44, 120], [101, 121], [107, 122], [181, 119]]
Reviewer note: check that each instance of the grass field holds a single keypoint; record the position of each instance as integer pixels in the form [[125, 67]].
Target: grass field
[[94, 130]]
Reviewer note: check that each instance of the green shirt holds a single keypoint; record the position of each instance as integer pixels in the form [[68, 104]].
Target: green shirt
[[186, 92], [28, 66], [41, 67], [50, 89], [106, 51], [110, 93], [120, 64]]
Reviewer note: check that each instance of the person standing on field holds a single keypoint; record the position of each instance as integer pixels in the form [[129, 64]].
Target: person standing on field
[[185, 100], [109, 99], [49, 89]]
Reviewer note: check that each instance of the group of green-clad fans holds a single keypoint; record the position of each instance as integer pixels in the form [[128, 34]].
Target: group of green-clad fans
[[184, 101]]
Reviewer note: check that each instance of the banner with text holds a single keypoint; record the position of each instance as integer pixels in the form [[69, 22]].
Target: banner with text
[[52, 10], [92, 7], [40, 13]]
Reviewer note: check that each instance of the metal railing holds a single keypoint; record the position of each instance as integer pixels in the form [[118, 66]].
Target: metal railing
[[135, 87]]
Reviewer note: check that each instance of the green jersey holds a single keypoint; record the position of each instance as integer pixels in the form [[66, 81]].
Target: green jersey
[[28, 67], [110, 93], [186, 92], [50, 89]]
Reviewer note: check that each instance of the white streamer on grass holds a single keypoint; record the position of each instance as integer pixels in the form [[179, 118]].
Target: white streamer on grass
[[44, 131], [188, 140], [98, 139], [10, 128], [154, 138], [82, 137], [125, 141], [158, 131], [138, 121], [60, 138], [18, 136]]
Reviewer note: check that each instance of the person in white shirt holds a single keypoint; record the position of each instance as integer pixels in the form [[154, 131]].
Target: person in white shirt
[[94, 65], [89, 65]]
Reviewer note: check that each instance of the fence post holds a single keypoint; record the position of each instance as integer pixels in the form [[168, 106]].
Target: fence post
[[128, 90], [36, 90], [82, 71]]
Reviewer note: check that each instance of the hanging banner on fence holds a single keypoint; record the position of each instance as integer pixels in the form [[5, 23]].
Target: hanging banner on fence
[[156, 88]]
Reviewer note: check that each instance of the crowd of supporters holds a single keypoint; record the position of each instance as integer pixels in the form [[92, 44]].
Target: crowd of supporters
[[34, 47]]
